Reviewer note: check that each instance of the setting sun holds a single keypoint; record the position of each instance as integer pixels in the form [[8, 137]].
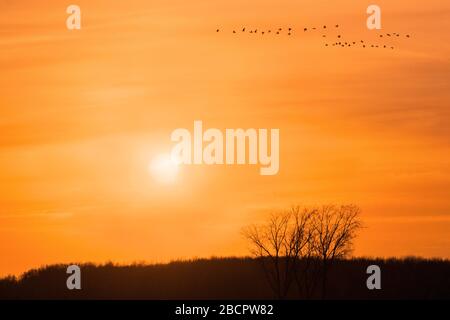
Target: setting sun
[[163, 169]]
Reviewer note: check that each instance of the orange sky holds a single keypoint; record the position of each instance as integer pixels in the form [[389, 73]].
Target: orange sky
[[82, 113]]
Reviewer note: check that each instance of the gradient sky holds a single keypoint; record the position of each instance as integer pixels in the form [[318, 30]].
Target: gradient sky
[[82, 114]]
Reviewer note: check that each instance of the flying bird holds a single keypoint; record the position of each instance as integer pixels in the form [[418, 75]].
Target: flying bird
[[337, 26], [305, 29], [243, 30]]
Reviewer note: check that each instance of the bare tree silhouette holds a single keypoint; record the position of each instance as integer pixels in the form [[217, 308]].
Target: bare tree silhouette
[[300, 244], [290, 244], [335, 228], [280, 244], [269, 243]]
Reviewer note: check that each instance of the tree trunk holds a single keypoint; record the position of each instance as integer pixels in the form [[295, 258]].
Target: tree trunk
[[324, 280]]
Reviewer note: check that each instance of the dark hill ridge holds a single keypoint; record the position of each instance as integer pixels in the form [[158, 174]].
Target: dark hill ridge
[[228, 278]]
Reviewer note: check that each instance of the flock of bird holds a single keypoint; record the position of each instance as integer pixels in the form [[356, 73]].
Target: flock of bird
[[363, 44], [338, 43], [275, 31]]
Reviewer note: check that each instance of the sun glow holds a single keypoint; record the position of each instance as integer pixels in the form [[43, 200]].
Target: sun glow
[[163, 169]]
